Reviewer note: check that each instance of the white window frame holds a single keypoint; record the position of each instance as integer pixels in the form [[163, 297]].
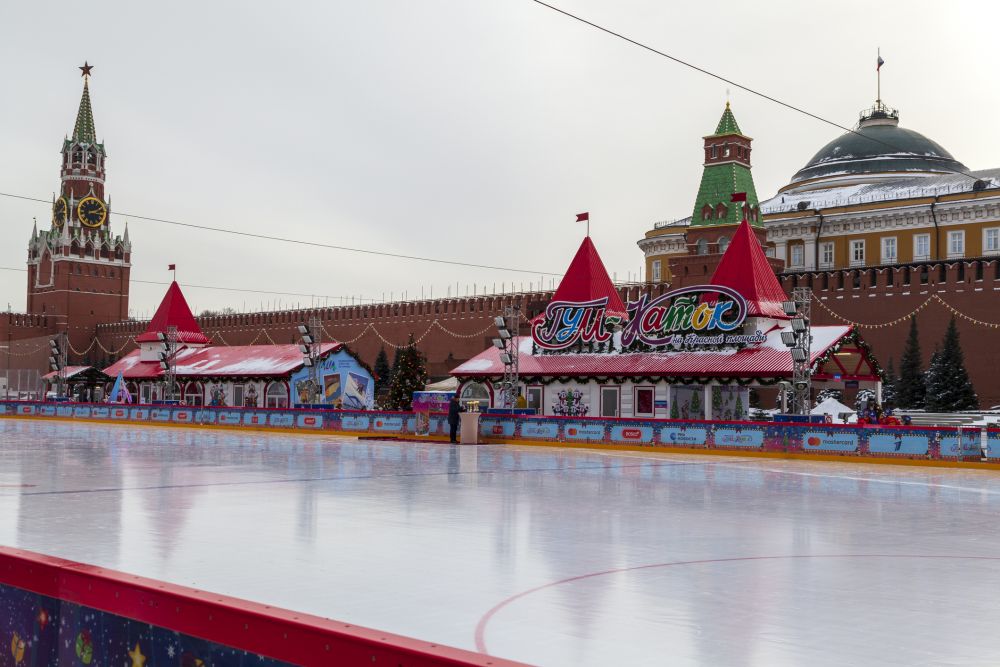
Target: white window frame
[[953, 235], [539, 390], [921, 256], [796, 249], [635, 400], [826, 248], [986, 235], [657, 271], [856, 245], [886, 257], [239, 392], [618, 400]]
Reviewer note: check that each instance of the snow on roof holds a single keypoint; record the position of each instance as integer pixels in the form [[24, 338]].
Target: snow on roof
[[67, 372], [887, 187], [216, 361], [768, 359], [831, 406]]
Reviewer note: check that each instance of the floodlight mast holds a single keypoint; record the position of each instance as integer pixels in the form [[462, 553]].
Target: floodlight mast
[[802, 367], [508, 326]]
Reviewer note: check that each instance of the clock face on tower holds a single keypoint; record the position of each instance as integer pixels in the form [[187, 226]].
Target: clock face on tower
[[59, 211], [92, 212]]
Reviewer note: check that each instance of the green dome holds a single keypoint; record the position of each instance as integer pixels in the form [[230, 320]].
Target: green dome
[[879, 145]]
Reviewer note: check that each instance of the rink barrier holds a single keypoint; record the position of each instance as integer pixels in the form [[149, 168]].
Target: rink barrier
[[826, 440], [59, 612]]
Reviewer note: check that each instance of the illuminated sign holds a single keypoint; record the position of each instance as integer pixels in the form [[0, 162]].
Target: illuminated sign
[[696, 315]]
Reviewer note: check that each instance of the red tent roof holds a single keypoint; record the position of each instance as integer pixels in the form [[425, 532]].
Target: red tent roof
[[744, 268], [174, 311], [221, 361], [586, 279]]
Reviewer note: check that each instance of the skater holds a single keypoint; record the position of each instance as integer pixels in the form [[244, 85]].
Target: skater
[[454, 408]]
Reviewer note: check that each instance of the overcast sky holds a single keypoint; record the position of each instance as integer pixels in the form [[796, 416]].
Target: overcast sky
[[456, 129]]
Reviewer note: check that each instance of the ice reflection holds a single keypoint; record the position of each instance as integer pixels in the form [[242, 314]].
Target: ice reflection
[[672, 558]]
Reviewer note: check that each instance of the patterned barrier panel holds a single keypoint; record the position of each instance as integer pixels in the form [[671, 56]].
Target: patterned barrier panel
[[894, 442], [58, 612]]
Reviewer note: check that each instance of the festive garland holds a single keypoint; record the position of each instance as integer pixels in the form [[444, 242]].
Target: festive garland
[[905, 318]]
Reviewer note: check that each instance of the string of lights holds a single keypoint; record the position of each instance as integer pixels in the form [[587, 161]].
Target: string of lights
[[905, 318]]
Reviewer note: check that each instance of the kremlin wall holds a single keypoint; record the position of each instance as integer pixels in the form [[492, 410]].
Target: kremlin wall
[[816, 232]]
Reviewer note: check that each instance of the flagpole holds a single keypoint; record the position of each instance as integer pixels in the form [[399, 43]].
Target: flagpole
[[878, 78]]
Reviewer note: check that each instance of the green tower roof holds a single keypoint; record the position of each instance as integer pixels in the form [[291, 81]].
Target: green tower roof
[[720, 180], [84, 131], [727, 124]]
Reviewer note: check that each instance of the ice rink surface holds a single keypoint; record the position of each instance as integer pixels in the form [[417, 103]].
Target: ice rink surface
[[554, 557]]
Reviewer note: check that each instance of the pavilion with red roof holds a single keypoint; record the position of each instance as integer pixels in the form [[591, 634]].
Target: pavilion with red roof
[[694, 378], [273, 376]]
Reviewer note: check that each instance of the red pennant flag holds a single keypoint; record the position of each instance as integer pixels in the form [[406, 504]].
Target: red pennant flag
[[583, 217], [739, 196], [172, 267]]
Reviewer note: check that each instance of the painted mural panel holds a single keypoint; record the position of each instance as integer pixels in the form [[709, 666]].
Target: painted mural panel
[[898, 443]]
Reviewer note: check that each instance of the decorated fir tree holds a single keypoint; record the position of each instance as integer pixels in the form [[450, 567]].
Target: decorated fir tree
[[910, 389], [675, 412], [948, 385], [695, 406], [383, 372], [409, 375]]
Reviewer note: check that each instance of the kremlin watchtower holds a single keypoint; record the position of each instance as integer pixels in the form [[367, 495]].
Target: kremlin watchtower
[[78, 271]]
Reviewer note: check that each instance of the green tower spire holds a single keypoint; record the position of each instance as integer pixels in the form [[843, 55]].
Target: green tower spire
[[83, 131], [727, 170]]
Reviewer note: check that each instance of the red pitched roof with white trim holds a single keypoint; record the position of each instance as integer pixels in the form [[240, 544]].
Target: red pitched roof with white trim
[[770, 359], [744, 267], [174, 311], [221, 361], [586, 279]]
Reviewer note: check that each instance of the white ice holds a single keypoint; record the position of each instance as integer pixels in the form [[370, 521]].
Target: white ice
[[677, 560]]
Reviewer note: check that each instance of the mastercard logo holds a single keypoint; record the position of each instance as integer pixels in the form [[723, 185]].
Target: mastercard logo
[[378, 424], [571, 431], [813, 442]]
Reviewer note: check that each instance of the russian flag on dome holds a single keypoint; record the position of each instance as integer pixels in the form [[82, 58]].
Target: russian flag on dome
[[880, 63]]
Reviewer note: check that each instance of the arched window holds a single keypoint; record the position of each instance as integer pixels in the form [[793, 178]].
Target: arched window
[[723, 243], [721, 211], [277, 395], [193, 394], [475, 391], [702, 246], [706, 212]]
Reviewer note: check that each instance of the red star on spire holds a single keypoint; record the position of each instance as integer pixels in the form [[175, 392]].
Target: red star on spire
[[86, 69]]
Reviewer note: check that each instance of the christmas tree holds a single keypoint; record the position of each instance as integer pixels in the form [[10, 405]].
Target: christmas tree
[[948, 385], [408, 376], [889, 393], [695, 406], [910, 389], [383, 372]]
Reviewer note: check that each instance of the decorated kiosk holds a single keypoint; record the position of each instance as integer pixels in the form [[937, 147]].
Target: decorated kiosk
[[691, 353]]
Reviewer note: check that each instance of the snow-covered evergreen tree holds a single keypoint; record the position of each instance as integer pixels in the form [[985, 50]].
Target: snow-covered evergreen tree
[[836, 394], [890, 395], [910, 389], [947, 380]]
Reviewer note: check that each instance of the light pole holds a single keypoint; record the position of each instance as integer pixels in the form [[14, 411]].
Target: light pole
[[311, 350], [799, 339], [508, 345]]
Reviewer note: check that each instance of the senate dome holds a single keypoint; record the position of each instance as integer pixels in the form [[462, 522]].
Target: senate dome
[[876, 150]]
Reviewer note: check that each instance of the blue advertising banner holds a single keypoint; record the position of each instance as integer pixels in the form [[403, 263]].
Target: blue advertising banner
[[47, 410], [159, 414], [182, 416], [892, 443], [970, 445], [993, 446], [140, 414], [281, 420], [26, 409], [583, 431], [830, 441], [497, 428], [64, 411], [391, 424], [354, 422], [100, 412], [539, 430], [309, 421], [683, 436], [205, 416], [81, 412], [739, 437], [119, 413], [255, 419], [230, 418], [634, 434]]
